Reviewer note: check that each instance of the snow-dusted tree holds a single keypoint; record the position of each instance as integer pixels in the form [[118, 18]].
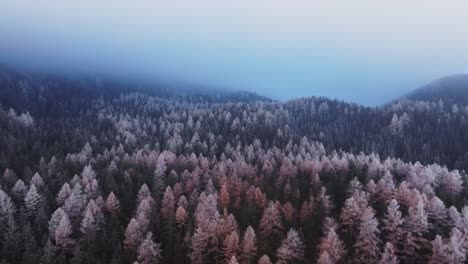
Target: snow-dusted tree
[[168, 204], [149, 252], [271, 223], [63, 233], [248, 248], [54, 221], [291, 249], [456, 254], [392, 223], [264, 260], [7, 208], [75, 203], [439, 251], [89, 223], [133, 235], [388, 256], [349, 217], [325, 258], [32, 200], [198, 246], [333, 246], [19, 190], [112, 204], [366, 248], [415, 244], [89, 182], [233, 260], [181, 216], [224, 197], [143, 193], [437, 213], [63, 194], [231, 245], [37, 181]]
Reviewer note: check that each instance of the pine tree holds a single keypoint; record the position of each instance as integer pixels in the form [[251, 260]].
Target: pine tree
[[112, 203], [325, 258], [291, 249], [456, 253], [388, 256], [133, 234], [32, 200], [54, 221], [149, 252], [439, 251], [393, 223], [264, 260], [63, 233], [231, 245], [332, 246], [248, 248], [366, 248], [168, 204], [63, 194], [233, 260], [198, 246]]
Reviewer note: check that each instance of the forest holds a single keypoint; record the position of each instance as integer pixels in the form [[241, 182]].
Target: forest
[[95, 171]]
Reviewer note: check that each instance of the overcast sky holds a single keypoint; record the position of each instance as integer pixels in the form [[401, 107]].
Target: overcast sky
[[362, 51]]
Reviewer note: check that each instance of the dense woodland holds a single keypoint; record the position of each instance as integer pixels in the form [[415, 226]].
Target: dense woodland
[[102, 172]]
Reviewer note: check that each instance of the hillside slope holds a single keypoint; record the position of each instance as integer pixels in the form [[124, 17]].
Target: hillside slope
[[452, 89]]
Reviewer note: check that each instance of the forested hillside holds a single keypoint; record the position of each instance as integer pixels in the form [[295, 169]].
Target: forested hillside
[[100, 172]]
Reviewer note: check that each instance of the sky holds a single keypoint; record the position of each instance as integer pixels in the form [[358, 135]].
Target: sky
[[363, 51]]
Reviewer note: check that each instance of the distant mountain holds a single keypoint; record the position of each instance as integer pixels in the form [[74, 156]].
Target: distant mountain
[[451, 89]]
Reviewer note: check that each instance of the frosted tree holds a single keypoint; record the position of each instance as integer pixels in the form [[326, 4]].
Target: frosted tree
[[439, 251], [333, 246], [19, 190], [388, 256], [143, 193], [180, 216], [54, 221], [233, 260], [366, 248], [393, 223], [133, 235], [112, 204], [63, 233], [264, 260], [456, 253], [231, 245], [32, 200], [325, 258], [248, 248], [416, 225], [7, 207], [349, 217], [291, 249], [198, 246], [168, 204], [89, 182], [75, 203], [271, 223], [437, 213], [149, 252], [224, 197], [63, 194], [37, 181], [89, 223]]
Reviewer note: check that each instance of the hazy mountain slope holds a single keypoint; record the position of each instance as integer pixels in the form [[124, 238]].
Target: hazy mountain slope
[[451, 89]]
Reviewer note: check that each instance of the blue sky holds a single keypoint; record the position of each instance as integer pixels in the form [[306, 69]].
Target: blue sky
[[361, 51]]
